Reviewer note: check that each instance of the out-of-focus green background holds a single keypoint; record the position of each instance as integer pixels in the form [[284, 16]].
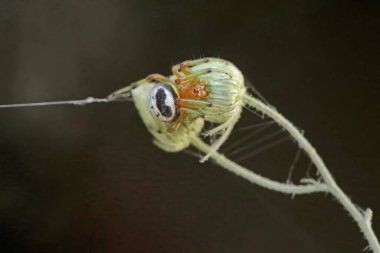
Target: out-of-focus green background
[[88, 179]]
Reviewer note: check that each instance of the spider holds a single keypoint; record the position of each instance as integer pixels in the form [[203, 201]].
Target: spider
[[208, 87]]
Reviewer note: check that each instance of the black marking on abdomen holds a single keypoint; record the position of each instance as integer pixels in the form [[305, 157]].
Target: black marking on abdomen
[[165, 110]]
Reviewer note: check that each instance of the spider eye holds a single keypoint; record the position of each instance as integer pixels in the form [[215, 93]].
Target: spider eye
[[162, 102]]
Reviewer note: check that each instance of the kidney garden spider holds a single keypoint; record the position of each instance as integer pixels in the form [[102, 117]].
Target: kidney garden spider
[[209, 88], [175, 108]]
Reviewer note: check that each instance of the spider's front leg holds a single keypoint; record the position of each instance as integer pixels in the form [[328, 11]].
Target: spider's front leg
[[184, 67], [151, 78], [155, 77]]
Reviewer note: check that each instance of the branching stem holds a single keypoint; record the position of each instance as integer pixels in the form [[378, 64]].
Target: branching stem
[[255, 178], [363, 219]]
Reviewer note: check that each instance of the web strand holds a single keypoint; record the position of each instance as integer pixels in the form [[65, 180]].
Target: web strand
[[89, 100]]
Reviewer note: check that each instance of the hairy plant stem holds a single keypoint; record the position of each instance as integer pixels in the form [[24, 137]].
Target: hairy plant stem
[[255, 178], [362, 218]]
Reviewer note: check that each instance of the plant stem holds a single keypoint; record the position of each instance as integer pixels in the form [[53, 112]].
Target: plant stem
[[363, 219], [255, 178]]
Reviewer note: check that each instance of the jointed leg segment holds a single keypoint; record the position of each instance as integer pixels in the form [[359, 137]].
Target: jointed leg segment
[[184, 67], [151, 78]]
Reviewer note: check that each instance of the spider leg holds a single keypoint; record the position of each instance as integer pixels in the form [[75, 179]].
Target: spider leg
[[210, 70], [195, 108], [157, 78], [182, 117], [175, 71], [192, 103], [194, 76], [186, 107], [123, 92], [196, 104], [184, 67]]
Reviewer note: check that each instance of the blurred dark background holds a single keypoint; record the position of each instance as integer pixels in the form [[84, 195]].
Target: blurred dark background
[[88, 179]]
